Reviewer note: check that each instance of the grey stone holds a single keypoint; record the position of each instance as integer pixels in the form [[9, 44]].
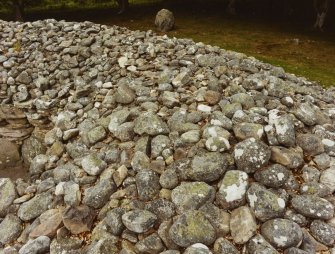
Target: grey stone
[[151, 124], [244, 99], [103, 246], [310, 144], [251, 154], [66, 246], [93, 165], [8, 195], [219, 218], [151, 244], [197, 248], [39, 245], [207, 167], [96, 134], [124, 94], [10, 229], [30, 148], [242, 224], [265, 203], [169, 179], [328, 178], [139, 221], [9, 154], [162, 208], [35, 206], [313, 207], [222, 246], [282, 233], [323, 232], [97, 196], [233, 188], [290, 158], [248, 130], [306, 113], [147, 183], [258, 244], [24, 78], [274, 176], [192, 227], [191, 196]]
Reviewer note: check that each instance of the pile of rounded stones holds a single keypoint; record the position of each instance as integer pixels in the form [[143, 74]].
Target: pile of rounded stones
[[149, 144]]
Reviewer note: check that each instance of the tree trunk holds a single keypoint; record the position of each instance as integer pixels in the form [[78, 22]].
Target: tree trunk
[[123, 6], [321, 7], [18, 10]]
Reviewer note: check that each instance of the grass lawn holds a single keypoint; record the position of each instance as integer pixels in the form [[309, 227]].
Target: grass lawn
[[295, 47]]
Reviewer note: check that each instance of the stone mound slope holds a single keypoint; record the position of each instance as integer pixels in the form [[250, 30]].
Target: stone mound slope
[[139, 143]]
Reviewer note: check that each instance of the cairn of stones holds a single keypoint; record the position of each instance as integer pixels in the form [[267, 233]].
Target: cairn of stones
[[138, 143]]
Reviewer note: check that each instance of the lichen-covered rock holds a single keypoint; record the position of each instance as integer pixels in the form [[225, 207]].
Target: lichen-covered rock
[[207, 167], [323, 232], [265, 203], [274, 176], [313, 206], [192, 227], [10, 229], [139, 221], [35, 206], [191, 196], [233, 188], [258, 244], [282, 233], [251, 154], [8, 194]]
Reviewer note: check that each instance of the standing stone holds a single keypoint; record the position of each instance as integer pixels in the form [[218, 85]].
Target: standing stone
[[192, 227], [164, 20], [242, 224]]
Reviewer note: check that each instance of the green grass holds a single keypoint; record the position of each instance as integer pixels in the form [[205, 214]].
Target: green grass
[[270, 41]]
